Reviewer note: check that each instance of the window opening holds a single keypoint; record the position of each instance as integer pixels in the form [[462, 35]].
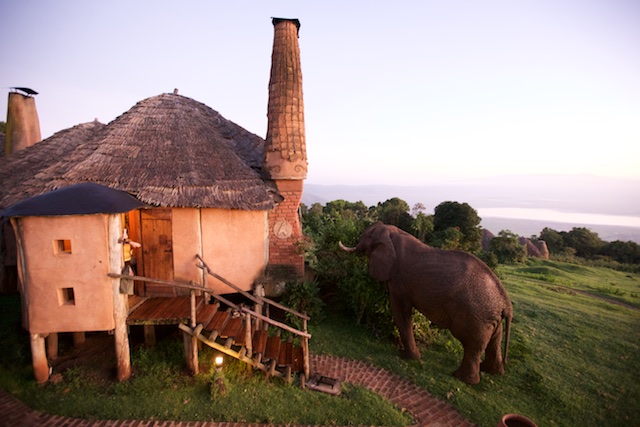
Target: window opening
[[62, 246], [66, 296]]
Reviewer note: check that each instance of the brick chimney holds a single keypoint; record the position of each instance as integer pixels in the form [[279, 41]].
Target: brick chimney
[[285, 151], [23, 126]]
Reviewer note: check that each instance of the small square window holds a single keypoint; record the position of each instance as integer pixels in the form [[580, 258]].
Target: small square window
[[62, 246], [66, 296]]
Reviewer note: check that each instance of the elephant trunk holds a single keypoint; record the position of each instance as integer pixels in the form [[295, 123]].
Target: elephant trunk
[[346, 248]]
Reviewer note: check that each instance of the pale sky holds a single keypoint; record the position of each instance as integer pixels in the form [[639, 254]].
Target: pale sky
[[399, 93]]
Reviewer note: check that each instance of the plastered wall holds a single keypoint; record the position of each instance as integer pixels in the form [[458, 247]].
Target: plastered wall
[[232, 242], [65, 282]]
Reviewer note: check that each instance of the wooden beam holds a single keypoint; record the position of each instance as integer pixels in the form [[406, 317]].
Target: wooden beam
[[120, 309], [39, 358]]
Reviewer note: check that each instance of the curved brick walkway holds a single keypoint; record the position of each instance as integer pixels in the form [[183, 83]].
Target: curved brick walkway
[[426, 409]]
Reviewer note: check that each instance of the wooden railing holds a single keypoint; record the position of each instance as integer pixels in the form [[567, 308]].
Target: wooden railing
[[250, 315]]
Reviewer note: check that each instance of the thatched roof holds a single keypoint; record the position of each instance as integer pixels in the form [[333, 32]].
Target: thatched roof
[[171, 151], [28, 172]]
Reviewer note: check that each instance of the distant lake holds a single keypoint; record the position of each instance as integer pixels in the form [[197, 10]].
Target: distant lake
[[558, 216]]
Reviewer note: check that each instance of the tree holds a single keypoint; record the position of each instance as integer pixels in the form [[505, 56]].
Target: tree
[[395, 211], [3, 127], [584, 241], [553, 239], [623, 252], [422, 226], [461, 217], [507, 249]]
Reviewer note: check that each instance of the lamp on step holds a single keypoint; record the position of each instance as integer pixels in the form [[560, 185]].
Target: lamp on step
[[219, 384], [219, 361]]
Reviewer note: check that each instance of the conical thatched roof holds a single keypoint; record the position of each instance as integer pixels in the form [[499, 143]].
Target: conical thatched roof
[[171, 151]]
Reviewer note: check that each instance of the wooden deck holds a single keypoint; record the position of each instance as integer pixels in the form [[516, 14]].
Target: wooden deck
[[163, 311]]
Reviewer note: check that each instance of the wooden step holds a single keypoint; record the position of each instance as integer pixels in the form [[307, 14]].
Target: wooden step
[[297, 363], [218, 321], [232, 328], [286, 354], [259, 341], [273, 348], [206, 313]]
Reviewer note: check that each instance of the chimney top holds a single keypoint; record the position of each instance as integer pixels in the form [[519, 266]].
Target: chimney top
[[26, 90], [278, 20]]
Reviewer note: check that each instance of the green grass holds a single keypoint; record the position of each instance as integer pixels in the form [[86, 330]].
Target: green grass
[[573, 360]]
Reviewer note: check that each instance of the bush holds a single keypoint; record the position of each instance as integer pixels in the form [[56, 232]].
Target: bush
[[507, 249], [303, 297]]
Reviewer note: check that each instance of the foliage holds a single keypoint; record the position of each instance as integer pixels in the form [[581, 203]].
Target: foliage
[[395, 211], [507, 249], [622, 252], [553, 239], [422, 226], [584, 243], [456, 226], [304, 297]]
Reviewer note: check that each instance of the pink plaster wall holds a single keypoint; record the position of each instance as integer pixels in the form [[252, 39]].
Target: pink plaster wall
[[234, 245], [85, 270]]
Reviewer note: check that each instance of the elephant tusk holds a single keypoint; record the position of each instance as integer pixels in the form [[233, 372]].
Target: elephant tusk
[[345, 248]]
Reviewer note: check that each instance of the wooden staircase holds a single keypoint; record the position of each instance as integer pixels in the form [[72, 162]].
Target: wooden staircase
[[262, 346], [235, 330]]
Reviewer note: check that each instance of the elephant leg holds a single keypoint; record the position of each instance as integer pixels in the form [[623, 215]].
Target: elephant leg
[[469, 370], [492, 363], [401, 311], [474, 338]]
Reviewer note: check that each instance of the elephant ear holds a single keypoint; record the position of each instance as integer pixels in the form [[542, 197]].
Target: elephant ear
[[382, 258]]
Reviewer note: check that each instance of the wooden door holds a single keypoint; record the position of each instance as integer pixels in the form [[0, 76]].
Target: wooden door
[[157, 248]]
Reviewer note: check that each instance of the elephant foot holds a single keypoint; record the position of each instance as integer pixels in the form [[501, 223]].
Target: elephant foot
[[467, 377], [493, 367]]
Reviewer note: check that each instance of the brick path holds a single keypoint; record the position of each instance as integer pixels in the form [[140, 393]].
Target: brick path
[[426, 409]]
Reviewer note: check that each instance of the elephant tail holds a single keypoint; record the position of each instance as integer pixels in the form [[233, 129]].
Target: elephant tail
[[507, 315]]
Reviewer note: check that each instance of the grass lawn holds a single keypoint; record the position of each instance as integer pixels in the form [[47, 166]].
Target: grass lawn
[[573, 361]]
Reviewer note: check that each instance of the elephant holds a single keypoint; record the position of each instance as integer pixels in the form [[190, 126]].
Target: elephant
[[453, 289]]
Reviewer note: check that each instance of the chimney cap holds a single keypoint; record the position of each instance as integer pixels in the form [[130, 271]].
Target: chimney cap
[[26, 90], [278, 20]]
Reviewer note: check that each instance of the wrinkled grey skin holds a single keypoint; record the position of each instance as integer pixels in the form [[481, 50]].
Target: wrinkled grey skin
[[453, 289]]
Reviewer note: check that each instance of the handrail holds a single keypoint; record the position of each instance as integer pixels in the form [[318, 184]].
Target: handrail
[[305, 336], [176, 284], [276, 323], [216, 296], [205, 267], [253, 298]]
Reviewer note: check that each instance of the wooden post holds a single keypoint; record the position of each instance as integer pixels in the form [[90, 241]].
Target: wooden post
[[120, 311], [259, 292], [149, 335], [39, 359], [190, 341], [52, 345], [304, 342], [78, 338]]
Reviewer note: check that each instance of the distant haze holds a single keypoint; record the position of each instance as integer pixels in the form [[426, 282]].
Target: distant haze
[[522, 204]]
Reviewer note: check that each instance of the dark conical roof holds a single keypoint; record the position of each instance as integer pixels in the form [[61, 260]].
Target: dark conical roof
[[171, 151]]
